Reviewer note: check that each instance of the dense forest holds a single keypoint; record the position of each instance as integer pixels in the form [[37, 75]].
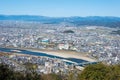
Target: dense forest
[[91, 72]]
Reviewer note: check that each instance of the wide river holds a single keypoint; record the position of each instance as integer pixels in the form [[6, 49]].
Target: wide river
[[40, 54]]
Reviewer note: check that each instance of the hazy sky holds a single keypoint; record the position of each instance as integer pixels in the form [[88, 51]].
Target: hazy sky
[[60, 8]]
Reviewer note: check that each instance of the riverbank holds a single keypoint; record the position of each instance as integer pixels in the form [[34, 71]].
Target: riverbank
[[65, 54], [61, 53]]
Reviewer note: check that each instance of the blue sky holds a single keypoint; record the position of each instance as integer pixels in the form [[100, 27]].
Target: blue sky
[[61, 8]]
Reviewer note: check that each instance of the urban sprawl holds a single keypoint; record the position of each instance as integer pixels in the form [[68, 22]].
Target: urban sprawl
[[96, 41]]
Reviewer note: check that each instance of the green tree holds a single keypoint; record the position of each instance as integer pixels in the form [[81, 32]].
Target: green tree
[[94, 72], [71, 76], [51, 77], [5, 73], [114, 73]]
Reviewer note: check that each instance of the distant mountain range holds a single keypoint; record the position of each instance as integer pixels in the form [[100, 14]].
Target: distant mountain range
[[78, 21]]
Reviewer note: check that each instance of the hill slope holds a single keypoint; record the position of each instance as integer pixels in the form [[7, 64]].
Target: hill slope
[[78, 21]]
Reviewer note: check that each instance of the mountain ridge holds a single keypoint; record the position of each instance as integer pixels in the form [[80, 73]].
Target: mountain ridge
[[107, 21]]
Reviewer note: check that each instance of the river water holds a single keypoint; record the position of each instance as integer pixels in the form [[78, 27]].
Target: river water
[[40, 54]]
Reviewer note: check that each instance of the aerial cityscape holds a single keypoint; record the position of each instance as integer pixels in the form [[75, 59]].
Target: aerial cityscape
[[65, 45]]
